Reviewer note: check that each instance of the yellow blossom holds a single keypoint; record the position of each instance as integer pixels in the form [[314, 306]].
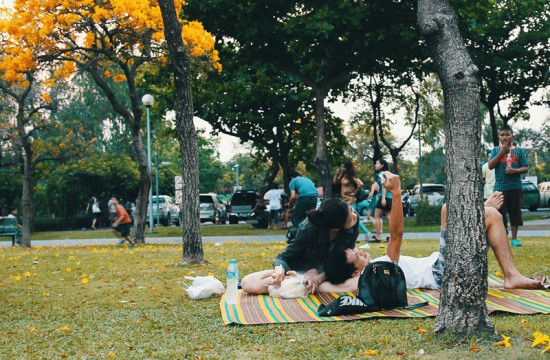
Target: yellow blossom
[[498, 273], [505, 342], [540, 339], [27, 274], [369, 352], [84, 280]]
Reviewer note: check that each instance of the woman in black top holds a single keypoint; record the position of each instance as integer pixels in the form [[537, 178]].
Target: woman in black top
[[333, 225]]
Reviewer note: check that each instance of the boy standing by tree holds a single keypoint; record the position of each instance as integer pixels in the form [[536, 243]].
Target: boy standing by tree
[[509, 163]]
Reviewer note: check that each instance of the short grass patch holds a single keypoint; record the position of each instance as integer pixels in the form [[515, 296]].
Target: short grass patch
[[93, 302]]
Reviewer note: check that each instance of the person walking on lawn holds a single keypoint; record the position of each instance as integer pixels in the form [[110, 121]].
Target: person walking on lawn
[[122, 223]]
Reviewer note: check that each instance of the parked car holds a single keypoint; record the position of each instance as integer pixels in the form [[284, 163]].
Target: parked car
[[544, 190], [242, 203], [168, 210], [433, 193], [531, 195], [363, 206], [210, 207]]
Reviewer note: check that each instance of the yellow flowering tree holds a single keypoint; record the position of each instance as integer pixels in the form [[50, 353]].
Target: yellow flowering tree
[[114, 41]]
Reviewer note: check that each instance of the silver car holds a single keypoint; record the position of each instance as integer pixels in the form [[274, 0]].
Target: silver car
[[212, 209], [168, 210]]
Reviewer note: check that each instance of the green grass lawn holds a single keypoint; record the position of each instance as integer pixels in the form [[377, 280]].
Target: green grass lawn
[[222, 230], [207, 230], [94, 302]]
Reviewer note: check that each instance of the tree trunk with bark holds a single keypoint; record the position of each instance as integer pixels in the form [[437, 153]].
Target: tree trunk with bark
[[187, 136], [320, 161], [26, 196], [462, 307]]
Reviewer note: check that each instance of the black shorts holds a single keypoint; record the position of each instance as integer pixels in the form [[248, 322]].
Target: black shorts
[[385, 208], [96, 216], [124, 229], [513, 203]]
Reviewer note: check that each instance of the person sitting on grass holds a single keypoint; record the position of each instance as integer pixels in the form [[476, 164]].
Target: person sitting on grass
[[122, 223], [333, 225], [343, 266]]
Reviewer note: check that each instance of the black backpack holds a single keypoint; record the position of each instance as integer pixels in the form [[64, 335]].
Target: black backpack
[[382, 286]]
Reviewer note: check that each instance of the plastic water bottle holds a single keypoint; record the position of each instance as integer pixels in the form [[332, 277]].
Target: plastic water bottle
[[231, 291], [509, 160]]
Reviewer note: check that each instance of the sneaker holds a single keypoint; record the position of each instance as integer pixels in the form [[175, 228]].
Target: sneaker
[[516, 243], [132, 245], [121, 242]]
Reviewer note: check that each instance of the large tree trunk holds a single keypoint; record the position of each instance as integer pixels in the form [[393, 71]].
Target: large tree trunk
[[142, 203], [462, 307], [320, 161], [187, 136], [26, 196]]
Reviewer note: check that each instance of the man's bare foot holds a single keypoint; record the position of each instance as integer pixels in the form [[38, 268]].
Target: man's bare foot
[[495, 200], [521, 282]]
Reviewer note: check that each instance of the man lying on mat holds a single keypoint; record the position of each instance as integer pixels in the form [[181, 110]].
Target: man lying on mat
[[334, 225], [343, 266]]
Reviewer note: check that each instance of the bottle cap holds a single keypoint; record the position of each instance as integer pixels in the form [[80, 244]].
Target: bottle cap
[[233, 261]]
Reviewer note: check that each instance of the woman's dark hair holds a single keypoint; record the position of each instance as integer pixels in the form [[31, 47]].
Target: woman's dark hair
[[384, 164], [336, 266], [349, 170], [332, 214]]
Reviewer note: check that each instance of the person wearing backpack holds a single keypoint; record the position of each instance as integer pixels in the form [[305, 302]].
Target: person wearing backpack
[[343, 266]]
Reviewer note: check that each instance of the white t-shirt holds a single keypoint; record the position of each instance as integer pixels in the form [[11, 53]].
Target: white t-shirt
[[489, 177], [95, 207], [274, 197], [418, 271]]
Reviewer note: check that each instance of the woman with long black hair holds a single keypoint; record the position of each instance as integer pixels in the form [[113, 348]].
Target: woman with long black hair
[[333, 225]]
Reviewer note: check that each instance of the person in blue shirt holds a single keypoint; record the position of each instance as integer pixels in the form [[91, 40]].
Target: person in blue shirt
[[303, 194], [509, 163]]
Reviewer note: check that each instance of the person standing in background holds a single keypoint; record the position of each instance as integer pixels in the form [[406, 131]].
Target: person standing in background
[[509, 163], [274, 198], [349, 185], [488, 179], [303, 193], [96, 211]]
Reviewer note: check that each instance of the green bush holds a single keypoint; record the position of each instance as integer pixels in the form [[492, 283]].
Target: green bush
[[60, 224], [427, 214]]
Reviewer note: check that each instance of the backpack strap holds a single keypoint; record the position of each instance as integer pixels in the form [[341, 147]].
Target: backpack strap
[[416, 306]]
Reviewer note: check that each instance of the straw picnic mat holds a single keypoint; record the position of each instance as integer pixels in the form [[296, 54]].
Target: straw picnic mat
[[264, 309]]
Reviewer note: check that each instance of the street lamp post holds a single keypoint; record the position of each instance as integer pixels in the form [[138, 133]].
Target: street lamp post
[[157, 182], [148, 100], [420, 118], [236, 168]]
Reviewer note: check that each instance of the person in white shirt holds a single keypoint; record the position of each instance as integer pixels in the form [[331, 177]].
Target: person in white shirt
[[344, 266], [274, 198], [488, 180], [12, 214]]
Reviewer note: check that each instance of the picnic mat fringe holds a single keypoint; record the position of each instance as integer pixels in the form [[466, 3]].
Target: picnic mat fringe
[[264, 309]]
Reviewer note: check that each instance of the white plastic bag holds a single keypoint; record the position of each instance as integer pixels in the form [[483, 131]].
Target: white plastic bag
[[203, 287], [293, 286]]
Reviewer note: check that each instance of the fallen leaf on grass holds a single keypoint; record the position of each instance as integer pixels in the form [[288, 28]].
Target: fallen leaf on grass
[[31, 330], [64, 328], [400, 353], [475, 348]]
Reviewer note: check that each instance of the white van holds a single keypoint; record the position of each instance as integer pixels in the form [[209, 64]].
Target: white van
[[544, 189]]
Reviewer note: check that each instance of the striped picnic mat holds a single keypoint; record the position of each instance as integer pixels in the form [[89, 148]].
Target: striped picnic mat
[[264, 309]]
